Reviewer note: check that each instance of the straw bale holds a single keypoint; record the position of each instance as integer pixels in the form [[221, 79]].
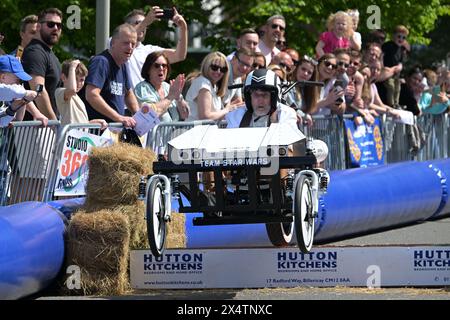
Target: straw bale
[[114, 174], [138, 225], [176, 231], [99, 244]]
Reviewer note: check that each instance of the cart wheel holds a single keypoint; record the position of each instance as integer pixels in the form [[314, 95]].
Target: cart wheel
[[280, 234], [156, 225], [303, 214]]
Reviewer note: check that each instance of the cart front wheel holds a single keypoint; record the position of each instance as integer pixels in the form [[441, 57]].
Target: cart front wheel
[[303, 214], [155, 211]]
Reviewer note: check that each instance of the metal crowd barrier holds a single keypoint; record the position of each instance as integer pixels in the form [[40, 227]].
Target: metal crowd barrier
[[61, 137], [30, 154], [27, 152], [396, 142], [433, 128], [331, 130]]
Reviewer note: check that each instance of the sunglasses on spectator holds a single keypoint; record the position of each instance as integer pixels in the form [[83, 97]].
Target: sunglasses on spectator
[[343, 64], [159, 65], [310, 60], [275, 26], [354, 64], [328, 64], [137, 22], [257, 66], [51, 24], [400, 36], [215, 67], [242, 63], [285, 67], [281, 43]]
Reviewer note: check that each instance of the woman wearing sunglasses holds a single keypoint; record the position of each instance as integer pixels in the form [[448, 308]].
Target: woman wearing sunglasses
[[331, 98], [207, 90], [167, 98]]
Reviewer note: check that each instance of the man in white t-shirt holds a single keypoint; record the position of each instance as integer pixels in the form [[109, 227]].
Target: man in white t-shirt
[[274, 30], [141, 21]]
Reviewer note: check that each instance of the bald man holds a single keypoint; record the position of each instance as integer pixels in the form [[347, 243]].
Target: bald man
[[108, 87]]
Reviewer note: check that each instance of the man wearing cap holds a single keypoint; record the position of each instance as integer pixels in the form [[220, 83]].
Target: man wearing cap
[[41, 62], [13, 94]]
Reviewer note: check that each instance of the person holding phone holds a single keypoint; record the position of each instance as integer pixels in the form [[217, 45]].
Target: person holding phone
[[141, 21], [438, 101], [332, 94]]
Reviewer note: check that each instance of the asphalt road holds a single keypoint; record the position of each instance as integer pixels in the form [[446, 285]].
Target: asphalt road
[[426, 233]]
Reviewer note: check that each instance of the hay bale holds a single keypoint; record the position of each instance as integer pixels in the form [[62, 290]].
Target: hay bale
[[176, 231], [99, 244], [112, 220], [135, 215], [114, 174], [138, 225]]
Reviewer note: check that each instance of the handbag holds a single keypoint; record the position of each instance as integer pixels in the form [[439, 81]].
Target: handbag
[[128, 135]]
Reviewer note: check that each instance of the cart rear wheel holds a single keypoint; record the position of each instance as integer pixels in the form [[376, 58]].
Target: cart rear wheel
[[280, 234], [155, 210], [303, 214]]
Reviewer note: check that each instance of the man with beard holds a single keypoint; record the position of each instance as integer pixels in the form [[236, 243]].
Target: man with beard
[[273, 31], [40, 61], [108, 87], [141, 21]]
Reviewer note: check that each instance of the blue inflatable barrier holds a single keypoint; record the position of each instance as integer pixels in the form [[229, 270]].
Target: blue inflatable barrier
[[358, 201], [67, 206], [442, 170], [362, 200], [31, 248]]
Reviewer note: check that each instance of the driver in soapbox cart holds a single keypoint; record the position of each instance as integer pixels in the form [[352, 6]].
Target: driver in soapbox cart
[[260, 169]]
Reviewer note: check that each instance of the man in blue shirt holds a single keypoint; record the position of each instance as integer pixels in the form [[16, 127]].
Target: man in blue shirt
[[108, 88]]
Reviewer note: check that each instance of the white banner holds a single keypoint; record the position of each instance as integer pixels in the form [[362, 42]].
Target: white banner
[[274, 267], [73, 171]]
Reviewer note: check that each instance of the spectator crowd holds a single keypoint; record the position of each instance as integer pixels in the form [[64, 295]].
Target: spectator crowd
[[366, 79]]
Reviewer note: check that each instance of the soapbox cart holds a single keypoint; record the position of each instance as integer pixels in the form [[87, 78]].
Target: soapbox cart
[[256, 178]]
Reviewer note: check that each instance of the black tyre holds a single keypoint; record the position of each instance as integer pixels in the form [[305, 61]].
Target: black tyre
[[303, 214], [156, 225], [280, 234]]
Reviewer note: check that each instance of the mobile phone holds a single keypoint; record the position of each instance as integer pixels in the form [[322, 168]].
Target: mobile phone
[[338, 85], [39, 88], [168, 14], [436, 90]]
